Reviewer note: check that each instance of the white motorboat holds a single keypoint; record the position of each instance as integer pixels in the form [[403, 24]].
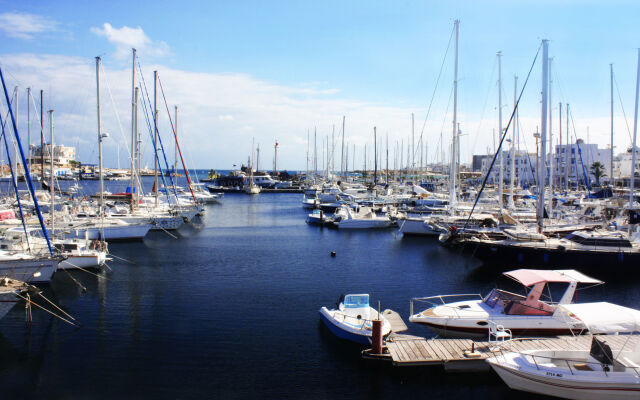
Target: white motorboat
[[589, 374], [523, 314], [352, 319], [319, 217], [365, 218], [310, 201], [109, 230]]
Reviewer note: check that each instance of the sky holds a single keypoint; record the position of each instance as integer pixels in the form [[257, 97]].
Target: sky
[[255, 71]]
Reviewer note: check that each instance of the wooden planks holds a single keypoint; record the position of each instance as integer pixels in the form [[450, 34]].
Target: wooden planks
[[397, 324], [408, 350]]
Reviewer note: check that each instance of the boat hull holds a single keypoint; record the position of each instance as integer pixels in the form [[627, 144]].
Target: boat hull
[[416, 227], [363, 224], [548, 384], [130, 232], [30, 271], [449, 331], [82, 261], [508, 256], [338, 330]]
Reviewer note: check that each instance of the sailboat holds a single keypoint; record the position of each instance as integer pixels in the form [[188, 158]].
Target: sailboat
[[252, 188]]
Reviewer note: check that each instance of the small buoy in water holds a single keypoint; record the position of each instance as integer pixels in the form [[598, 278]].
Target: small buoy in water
[[333, 254]]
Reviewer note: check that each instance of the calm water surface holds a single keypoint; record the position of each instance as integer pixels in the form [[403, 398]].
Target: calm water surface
[[229, 310]]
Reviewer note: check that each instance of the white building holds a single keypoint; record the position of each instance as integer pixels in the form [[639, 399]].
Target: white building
[[525, 167], [573, 163], [576, 159], [622, 165], [62, 155]]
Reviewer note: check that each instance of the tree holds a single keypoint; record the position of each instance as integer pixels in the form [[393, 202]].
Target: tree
[[597, 169]]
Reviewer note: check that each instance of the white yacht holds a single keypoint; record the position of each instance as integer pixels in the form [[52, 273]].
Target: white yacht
[[365, 218], [524, 314]]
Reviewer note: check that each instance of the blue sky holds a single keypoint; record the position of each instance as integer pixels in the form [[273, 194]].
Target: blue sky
[[273, 70]]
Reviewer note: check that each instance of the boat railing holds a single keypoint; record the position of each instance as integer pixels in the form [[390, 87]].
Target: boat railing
[[578, 364], [431, 300], [358, 321]]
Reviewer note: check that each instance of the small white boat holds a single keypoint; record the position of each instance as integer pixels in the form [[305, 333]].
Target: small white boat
[[365, 218], [319, 217], [589, 374], [252, 189], [352, 318]]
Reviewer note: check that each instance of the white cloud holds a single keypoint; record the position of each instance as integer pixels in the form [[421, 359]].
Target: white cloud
[[126, 38], [24, 25], [220, 113]]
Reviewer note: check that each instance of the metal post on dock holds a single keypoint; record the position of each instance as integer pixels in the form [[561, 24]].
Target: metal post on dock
[[376, 333]]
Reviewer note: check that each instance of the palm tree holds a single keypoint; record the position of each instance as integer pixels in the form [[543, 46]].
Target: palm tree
[[597, 169]]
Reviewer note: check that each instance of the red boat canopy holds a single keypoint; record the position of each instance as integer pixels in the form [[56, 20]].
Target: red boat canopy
[[529, 277]]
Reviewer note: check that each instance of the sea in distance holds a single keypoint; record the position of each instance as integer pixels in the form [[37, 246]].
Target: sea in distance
[[229, 310]]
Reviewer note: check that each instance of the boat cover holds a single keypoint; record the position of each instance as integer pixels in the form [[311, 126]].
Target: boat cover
[[603, 317], [529, 277]]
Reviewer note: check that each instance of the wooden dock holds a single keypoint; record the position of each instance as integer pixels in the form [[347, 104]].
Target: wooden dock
[[453, 354]]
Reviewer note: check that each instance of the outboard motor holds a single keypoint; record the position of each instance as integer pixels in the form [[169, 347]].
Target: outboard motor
[[601, 351]]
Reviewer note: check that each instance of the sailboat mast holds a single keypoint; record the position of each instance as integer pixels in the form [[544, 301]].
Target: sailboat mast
[[133, 123], [42, 134], [501, 172], [387, 174], [135, 150], [413, 144], [155, 135], [543, 121], [452, 167], [512, 174], [343, 161], [611, 161], [635, 134], [568, 163], [375, 157], [560, 141], [52, 190], [29, 125], [175, 147], [15, 143], [550, 142], [100, 205]]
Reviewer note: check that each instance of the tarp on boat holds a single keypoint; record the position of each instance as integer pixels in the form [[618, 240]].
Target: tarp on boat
[[603, 317], [529, 277]]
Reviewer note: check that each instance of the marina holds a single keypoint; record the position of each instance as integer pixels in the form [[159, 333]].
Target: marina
[[232, 205]]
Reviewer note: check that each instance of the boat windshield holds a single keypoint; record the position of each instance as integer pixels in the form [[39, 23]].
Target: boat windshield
[[356, 301], [496, 295]]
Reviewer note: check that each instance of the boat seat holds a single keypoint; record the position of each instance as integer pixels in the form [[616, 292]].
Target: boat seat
[[582, 367], [497, 333]]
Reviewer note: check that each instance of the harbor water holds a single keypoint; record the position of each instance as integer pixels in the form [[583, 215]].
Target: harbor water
[[229, 310]]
